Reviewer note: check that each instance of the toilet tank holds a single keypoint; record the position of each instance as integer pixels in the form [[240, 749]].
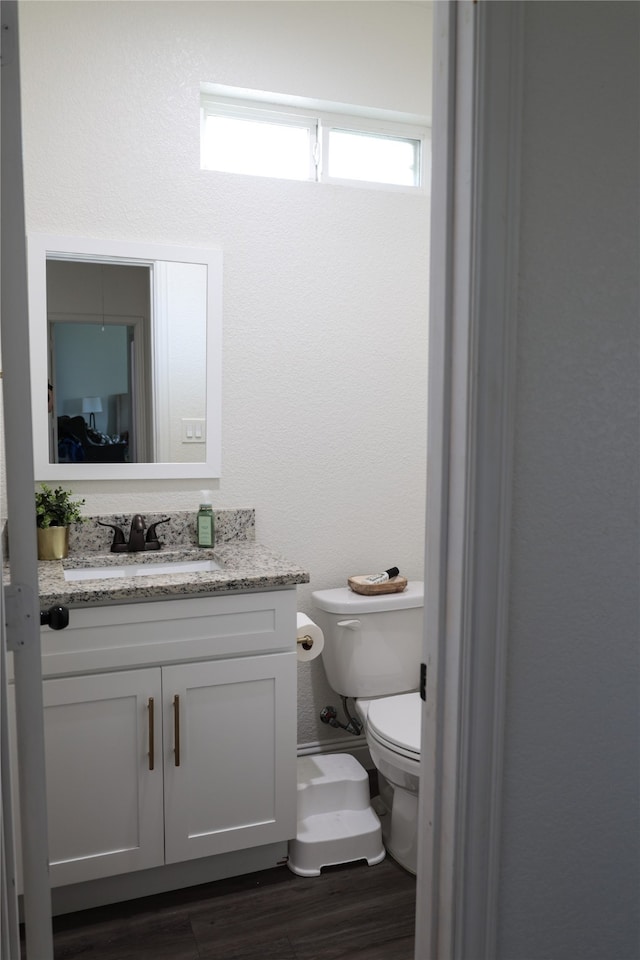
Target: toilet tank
[[372, 645]]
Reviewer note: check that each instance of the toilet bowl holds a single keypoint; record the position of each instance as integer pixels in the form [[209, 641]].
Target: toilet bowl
[[392, 730], [372, 654]]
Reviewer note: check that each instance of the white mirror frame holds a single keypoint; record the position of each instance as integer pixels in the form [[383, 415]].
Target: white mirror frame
[[41, 246]]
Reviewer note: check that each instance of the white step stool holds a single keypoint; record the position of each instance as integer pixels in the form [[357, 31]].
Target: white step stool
[[336, 822]]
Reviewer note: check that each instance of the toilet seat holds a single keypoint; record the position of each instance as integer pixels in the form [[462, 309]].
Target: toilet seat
[[395, 723]]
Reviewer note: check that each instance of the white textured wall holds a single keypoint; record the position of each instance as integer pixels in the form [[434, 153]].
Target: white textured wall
[[570, 857], [325, 287]]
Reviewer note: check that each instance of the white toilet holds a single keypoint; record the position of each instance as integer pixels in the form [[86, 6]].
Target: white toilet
[[372, 651]]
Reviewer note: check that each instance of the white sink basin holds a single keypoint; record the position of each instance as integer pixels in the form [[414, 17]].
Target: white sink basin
[[141, 570]]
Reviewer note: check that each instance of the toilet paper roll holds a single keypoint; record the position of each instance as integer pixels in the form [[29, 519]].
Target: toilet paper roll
[[309, 637]]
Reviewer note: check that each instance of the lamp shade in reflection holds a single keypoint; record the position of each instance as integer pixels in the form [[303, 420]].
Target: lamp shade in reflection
[[92, 405]]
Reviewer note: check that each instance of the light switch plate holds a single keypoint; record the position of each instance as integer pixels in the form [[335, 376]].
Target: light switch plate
[[194, 430]]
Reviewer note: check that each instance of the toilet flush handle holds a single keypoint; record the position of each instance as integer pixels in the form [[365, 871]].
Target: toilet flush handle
[[350, 624]]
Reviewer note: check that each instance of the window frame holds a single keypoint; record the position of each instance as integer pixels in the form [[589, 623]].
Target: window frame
[[210, 106], [380, 129], [320, 123]]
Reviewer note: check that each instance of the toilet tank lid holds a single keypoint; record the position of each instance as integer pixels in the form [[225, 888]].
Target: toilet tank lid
[[344, 600]]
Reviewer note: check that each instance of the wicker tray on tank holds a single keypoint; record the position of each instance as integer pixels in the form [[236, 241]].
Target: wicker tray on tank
[[361, 585]]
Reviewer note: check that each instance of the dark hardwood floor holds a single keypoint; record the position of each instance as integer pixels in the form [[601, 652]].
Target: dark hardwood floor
[[354, 911]]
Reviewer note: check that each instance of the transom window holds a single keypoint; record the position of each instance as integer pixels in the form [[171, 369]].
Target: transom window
[[279, 140]]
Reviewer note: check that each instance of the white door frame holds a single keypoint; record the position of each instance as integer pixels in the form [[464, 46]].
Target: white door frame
[[21, 606], [474, 234]]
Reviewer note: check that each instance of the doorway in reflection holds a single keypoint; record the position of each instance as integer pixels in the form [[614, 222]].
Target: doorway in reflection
[[99, 322]]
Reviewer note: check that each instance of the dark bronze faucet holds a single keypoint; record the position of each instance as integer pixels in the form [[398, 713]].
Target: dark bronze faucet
[[137, 540], [136, 533]]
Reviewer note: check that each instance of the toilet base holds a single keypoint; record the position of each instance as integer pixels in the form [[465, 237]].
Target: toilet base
[[397, 809], [336, 822]]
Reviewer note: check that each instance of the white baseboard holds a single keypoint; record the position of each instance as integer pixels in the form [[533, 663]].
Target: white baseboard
[[356, 746]]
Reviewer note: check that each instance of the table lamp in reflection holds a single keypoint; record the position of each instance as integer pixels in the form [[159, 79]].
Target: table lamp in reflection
[[92, 405]]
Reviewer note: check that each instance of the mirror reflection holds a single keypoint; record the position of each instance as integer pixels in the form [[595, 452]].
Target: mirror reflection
[[101, 402], [132, 361]]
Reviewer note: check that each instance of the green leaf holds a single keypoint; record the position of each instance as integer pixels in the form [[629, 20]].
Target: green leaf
[[55, 508]]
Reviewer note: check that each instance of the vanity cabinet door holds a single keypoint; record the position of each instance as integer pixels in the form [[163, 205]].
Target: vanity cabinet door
[[230, 754], [104, 801]]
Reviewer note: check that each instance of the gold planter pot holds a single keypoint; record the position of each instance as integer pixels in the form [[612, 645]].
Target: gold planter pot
[[53, 543]]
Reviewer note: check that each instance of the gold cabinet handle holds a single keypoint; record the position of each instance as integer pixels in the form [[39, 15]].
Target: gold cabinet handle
[[176, 729], [150, 708]]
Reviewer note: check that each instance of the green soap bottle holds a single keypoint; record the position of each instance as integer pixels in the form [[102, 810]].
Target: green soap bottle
[[204, 524]]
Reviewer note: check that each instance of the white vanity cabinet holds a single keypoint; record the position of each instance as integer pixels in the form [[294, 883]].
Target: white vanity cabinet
[[105, 806], [229, 784], [170, 732]]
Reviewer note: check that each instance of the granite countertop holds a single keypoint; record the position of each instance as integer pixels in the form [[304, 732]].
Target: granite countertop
[[246, 564]]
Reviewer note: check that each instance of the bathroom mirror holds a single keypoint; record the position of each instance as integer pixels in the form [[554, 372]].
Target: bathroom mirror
[[125, 343]]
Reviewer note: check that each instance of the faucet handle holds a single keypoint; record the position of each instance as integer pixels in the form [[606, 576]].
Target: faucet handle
[[118, 545], [152, 535]]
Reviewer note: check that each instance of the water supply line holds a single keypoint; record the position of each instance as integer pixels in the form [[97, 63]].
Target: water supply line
[[329, 715]]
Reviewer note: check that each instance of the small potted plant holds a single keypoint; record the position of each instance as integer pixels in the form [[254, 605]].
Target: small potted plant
[[55, 510]]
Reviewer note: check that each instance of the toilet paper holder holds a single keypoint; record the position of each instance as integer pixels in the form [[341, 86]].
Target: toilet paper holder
[[309, 638]]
